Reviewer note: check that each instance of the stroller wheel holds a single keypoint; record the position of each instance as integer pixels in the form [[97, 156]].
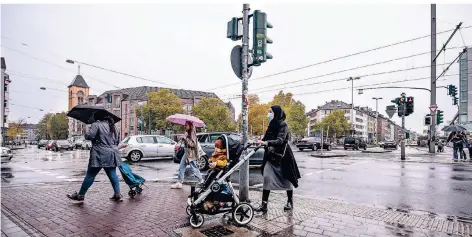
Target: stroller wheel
[[243, 214], [139, 190], [188, 211], [198, 221], [132, 193]]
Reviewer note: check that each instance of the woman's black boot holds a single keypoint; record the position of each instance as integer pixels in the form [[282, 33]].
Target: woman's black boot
[[262, 208], [76, 197], [116, 198], [289, 205]]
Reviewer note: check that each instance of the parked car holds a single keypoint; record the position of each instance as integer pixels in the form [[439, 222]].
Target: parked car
[[135, 148], [42, 143], [390, 144], [7, 155], [313, 143], [355, 143], [86, 145], [78, 143], [207, 141], [48, 145], [381, 144], [62, 145]]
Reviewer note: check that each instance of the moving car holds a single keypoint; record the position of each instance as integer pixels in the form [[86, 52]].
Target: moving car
[[207, 141], [42, 143], [313, 143], [134, 148], [61, 145], [78, 143], [355, 143], [48, 145], [7, 155], [390, 144], [86, 145]]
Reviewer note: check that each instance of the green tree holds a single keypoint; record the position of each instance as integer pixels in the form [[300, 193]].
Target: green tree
[[296, 118], [59, 124], [44, 128], [257, 118], [335, 121], [282, 99], [160, 105], [215, 115]]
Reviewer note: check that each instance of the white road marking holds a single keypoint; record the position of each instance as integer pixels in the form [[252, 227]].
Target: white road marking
[[308, 174], [62, 177], [72, 180], [258, 185], [172, 177]]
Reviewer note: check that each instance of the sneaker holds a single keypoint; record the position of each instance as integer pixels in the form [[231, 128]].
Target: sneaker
[[76, 197], [177, 185], [116, 197]]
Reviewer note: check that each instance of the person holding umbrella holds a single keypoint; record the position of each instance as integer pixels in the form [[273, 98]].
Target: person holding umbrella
[[104, 152]]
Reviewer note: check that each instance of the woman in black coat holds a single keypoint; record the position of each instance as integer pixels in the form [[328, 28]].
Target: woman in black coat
[[279, 167]]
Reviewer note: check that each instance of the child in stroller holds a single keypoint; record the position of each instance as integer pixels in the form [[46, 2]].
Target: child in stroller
[[217, 194]]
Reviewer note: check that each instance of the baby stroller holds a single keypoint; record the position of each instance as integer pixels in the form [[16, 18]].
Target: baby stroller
[[220, 191], [134, 181]]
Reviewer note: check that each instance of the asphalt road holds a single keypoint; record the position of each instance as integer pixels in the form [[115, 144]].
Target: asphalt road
[[424, 184]]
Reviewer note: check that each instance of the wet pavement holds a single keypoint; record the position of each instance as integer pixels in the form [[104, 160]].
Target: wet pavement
[[434, 186]]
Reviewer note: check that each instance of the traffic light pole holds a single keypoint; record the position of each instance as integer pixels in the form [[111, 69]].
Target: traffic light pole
[[244, 169], [432, 128], [403, 128]]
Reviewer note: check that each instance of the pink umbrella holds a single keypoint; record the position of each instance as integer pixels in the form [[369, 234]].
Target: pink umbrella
[[182, 118]]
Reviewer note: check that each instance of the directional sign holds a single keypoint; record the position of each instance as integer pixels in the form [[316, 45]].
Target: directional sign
[[390, 110]]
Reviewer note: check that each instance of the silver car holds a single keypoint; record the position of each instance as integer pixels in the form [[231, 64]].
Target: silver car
[[134, 148], [6, 154]]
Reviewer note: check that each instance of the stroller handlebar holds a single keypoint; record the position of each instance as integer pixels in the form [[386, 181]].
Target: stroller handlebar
[[249, 145]]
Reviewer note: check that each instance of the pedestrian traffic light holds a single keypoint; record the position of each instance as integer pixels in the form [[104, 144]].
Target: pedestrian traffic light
[[427, 120], [401, 110], [454, 99], [439, 117], [260, 39], [234, 31], [409, 105]]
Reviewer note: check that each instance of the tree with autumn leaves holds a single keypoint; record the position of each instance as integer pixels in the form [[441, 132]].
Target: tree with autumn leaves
[[257, 114], [334, 124]]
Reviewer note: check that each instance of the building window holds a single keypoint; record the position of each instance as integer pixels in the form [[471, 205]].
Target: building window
[[347, 111], [117, 101], [463, 118], [359, 120], [463, 97], [463, 107]]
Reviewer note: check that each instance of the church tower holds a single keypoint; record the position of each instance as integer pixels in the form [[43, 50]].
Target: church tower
[[78, 93]]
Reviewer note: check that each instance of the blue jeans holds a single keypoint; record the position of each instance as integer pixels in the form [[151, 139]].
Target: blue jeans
[[90, 177], [183, 166], [455, 149]]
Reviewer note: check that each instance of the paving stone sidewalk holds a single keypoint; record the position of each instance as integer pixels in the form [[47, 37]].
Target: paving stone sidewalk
[[43, 210]]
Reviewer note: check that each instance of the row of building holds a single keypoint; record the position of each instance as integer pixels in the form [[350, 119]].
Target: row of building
[[124, 102], [364, 122]]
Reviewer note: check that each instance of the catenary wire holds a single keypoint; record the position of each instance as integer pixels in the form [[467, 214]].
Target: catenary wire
[[338, 58]]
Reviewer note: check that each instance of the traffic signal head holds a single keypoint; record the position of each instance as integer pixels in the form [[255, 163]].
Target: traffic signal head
[[439, 117], [454, 99], [427, 120], [452, 90], [260, 39], [234, 30], [409, 105]]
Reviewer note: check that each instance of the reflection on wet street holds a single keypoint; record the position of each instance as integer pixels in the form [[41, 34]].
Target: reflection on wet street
[[432, 188]]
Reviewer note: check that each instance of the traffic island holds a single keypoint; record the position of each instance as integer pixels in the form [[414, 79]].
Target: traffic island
[[376, 151], [328, 155]]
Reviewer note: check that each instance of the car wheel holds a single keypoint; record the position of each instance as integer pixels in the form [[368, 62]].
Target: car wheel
[[135, 156], [345, 148], [300, 149], [365, 148], [329, 148], [202, 163], [314, 148]]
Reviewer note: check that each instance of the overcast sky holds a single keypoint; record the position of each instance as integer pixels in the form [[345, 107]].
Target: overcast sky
[[185, 45]]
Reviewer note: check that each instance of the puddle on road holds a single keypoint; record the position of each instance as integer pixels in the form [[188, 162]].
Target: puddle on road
[[461, 178]]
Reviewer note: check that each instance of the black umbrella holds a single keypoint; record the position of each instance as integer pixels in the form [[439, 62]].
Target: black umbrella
[[454, 128], [85, 113]]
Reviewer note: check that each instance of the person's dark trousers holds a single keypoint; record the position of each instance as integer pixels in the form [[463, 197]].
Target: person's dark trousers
[[455, 149], [90, 178], [470, 152]]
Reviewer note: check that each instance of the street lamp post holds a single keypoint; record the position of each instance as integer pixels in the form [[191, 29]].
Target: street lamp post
[[352, 101], [376, 118]]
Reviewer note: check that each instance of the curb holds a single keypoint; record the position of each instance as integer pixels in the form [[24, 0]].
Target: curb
[[27, 228], [376, 151], [328, 156]]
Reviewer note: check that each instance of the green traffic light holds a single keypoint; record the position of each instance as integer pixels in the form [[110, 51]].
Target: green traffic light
[[439, 117]]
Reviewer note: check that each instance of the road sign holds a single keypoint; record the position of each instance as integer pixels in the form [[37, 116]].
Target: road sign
[[433, 108], [236, 54], [390, 110]]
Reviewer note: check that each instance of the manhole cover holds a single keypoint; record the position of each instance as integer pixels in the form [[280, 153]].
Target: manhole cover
[[216, 231]]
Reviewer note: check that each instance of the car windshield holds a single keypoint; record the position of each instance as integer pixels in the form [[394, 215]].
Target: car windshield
[[349, 139], [63, 142]]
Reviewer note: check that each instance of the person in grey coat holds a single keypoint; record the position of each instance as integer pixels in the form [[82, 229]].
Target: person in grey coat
[[104, 154]]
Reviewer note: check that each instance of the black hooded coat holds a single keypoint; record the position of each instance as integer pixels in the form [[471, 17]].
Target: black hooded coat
[[277, 137]]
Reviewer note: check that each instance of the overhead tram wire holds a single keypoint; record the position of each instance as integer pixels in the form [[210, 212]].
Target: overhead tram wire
[[59, 66], [338, 58], [341, 79], [350, 69], [98, 67]]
